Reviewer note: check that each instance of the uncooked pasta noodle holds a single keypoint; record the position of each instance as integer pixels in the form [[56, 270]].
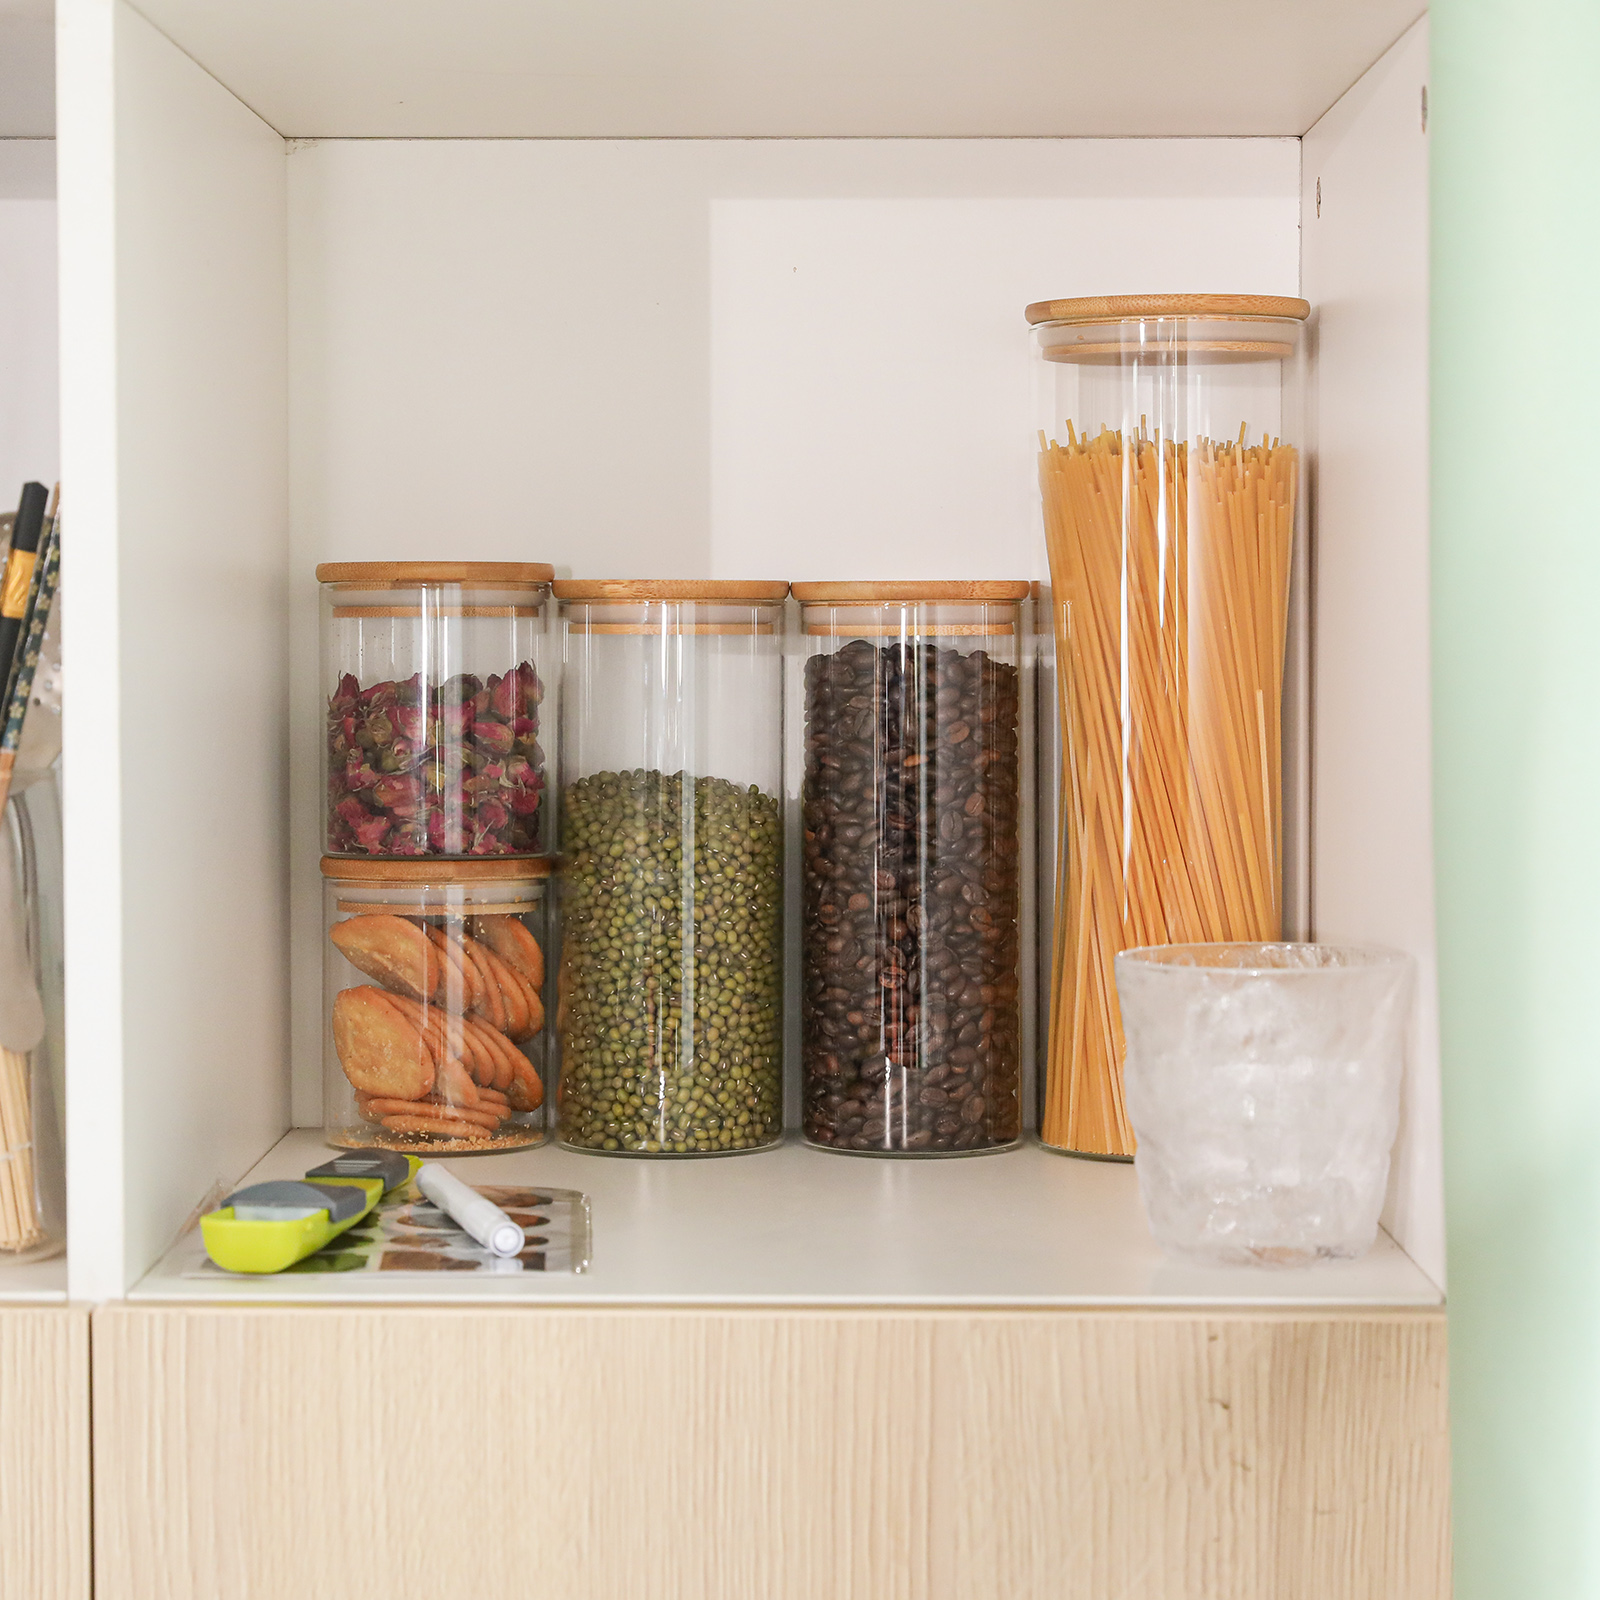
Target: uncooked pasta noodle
[[1169, 565]]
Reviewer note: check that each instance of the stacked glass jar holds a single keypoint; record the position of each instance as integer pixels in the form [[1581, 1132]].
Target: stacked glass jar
[[434, 999], [911, 805], [437, 820], [670, 996]]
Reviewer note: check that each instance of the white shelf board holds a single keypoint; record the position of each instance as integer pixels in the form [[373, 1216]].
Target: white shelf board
[[827, 68], [797, 1226], [33, 1282]]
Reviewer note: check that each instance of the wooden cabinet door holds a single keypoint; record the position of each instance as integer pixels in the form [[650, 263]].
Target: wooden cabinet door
[[653, 1454], [44, 1453]]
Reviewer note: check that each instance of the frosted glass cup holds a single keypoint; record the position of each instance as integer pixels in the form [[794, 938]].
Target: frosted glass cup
[[1263, 1085]]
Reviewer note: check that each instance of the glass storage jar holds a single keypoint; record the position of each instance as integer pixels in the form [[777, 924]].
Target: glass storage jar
[[434, 683], [434, 991], [1171, 476], [670, 998], [910, 1010]]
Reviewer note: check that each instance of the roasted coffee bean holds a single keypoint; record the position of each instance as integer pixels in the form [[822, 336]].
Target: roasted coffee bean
[[910, 807]]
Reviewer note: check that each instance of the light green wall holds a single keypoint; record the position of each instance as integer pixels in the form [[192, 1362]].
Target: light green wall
[[1515, 124]]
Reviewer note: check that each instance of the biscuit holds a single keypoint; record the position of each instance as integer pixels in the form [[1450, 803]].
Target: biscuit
[[379, 1107], [492, 1100], [526, 1093], [491, 1007], [462, 986], [379, 1049], [497, 1050], [512, 991], [450, 1127], [519, 1027], [452, 1080], [394, 951], [515, 946]]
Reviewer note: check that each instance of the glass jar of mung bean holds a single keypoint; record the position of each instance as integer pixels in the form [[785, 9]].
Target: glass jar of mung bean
[[670, 987]]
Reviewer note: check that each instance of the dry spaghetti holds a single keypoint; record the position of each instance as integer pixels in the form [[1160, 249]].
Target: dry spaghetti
[[1169, 565]]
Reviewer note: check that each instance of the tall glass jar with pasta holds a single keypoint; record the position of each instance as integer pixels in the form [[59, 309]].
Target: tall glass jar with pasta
[[1171, 473], [670, 988]]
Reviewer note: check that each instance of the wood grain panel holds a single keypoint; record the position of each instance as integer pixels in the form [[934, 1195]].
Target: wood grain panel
[[44, 1453], [1154, 1456], [586, 1454]]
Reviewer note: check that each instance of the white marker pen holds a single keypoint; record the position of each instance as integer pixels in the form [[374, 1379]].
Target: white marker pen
[[476, 1216]]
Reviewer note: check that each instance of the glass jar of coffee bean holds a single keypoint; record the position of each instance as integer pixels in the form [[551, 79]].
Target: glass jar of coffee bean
[[669, 1010], [911, 941]]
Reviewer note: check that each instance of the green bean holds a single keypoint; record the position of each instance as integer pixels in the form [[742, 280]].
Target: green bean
[[672, 986]]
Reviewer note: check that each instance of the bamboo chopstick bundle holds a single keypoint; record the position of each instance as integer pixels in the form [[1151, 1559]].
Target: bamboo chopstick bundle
[[1170, 569], [19, 1210]]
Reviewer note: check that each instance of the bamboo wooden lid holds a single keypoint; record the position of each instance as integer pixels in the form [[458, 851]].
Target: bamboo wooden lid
[[910, 593], [435, 869], [1134, 307], [643, 590], [400, 574]]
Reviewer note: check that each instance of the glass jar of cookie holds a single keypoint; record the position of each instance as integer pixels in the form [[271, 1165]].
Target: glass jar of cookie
[[437, 728], [434, 995]]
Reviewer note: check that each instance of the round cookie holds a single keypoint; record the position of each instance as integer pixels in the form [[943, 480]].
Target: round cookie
[[463, 990], [512, 991], [379, 1049], [515, 946], [394, 951], [491, 1006], [449, 1127]]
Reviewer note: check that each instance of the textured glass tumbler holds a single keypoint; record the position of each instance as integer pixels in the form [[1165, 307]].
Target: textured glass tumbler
[[1263, 1085]]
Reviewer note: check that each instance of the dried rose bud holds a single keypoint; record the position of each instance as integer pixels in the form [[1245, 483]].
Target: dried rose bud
[[397, 791], [408, 721], [380, 694], [525, 727], [524, 801], [517, 770], [503, 696], [493, 737], [532, 691]]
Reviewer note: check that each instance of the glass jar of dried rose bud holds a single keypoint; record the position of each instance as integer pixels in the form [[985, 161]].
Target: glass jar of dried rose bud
[[434, 695], [434, 993]]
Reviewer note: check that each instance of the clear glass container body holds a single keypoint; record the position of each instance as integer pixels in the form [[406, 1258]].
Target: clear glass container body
[[434, 984], [1173, 795], [670, 1000], [1263, 1084], [437, 728], [911, 803], [32, 1146]]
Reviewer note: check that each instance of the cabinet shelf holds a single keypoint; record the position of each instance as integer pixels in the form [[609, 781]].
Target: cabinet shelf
[[33, 1282], [797, 1227]]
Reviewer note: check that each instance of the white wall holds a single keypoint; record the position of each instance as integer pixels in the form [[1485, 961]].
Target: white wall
[[1365, 269], [768, 358], [29, 390]]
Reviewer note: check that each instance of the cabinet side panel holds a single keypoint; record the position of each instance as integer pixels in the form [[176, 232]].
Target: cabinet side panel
[[1365, 271], [202, 498], [684, 1455], [44, 1453]]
